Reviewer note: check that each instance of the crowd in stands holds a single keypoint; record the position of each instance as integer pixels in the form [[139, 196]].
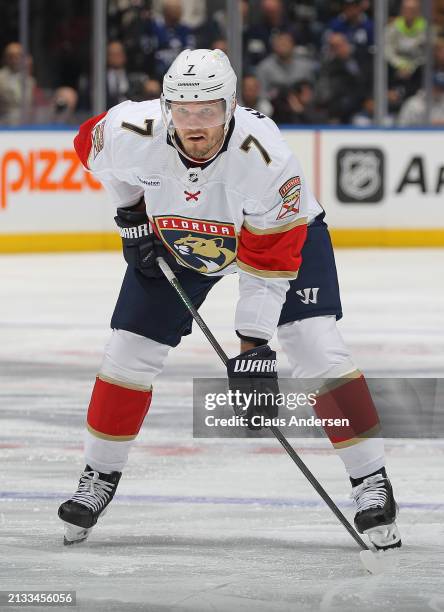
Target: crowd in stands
[[305, 62]]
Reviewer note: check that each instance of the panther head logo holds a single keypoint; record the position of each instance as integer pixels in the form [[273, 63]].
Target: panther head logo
[[208, 254]]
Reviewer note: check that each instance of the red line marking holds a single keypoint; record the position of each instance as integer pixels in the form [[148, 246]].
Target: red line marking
[[171, 450], [12, 445]]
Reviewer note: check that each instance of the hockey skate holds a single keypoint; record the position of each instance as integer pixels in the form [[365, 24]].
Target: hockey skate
[[81, 512], [376, 512]]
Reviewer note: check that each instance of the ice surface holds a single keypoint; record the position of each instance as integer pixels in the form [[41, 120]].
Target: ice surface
[[207, 525]]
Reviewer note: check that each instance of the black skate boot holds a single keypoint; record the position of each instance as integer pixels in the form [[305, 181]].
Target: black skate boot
[[376, 510], [81, 511]]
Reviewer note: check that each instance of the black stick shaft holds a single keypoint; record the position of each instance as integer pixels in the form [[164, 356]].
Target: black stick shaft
[[317, 486], [275, 430]]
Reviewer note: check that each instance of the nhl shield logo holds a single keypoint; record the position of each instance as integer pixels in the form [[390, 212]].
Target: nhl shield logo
[[360, 175], [204, 246], [193, 175]]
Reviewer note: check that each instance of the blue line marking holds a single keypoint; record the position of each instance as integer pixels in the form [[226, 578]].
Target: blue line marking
[[213, 500]]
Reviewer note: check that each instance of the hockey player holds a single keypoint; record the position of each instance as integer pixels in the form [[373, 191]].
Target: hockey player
[[214, 189]]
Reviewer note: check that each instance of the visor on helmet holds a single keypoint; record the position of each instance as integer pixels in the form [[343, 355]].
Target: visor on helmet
[[195, 115]]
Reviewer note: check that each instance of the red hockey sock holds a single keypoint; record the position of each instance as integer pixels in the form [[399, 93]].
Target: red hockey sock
[[348, 398], [117, 410]]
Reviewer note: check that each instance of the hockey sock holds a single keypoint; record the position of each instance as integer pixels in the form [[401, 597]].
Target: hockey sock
[[347, 399], [356, 440], [357, 481], [115, 416]]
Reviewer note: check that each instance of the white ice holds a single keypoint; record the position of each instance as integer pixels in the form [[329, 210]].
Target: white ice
[[207, 525]]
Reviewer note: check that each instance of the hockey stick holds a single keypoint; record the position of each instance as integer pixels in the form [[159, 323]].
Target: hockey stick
[[368, 558]]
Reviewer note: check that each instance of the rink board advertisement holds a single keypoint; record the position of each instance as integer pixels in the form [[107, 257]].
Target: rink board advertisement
[[48, 202], [379, 188]]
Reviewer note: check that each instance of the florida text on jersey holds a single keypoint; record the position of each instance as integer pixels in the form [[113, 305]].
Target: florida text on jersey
[[249, 207]]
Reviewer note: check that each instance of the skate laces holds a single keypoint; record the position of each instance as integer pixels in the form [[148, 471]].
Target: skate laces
[[372, 493], [92, 492]]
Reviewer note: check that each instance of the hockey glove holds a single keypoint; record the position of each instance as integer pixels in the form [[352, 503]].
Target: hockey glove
[[140, 247], [254, 373]]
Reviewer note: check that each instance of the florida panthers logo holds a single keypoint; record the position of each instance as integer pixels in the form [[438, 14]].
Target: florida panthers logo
[[204, 246]]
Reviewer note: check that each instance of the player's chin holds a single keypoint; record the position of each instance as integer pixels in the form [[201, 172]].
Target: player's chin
[[199, 149]]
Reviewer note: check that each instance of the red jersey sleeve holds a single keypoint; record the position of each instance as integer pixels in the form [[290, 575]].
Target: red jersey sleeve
[[273, 252]]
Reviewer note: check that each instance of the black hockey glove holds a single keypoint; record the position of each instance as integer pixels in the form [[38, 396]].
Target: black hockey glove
[[254, 373], [140, 247]]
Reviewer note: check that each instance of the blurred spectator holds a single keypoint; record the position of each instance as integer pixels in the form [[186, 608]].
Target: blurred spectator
[[169, 35], [120, 84], [308, 28], [341, 88], [413, 111], [131, 26], [10, 22], [220, 43], [286, 65], [438, 16], [64, 104], [213, 33], [355, 25], [297, 105], [258, 38], [365, 116], [194, 12], [152, 89], [251, 98], [213, 28], [61, 108], [358, 29], [405, 41], [439, 55], [16, 93]]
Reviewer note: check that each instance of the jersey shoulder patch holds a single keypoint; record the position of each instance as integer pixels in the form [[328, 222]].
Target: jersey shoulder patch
[[90, 139]]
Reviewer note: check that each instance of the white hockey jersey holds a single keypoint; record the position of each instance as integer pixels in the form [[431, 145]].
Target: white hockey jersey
[[247, 210]]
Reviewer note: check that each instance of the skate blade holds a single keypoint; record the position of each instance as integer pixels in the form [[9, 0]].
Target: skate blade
[[74, 534], [379, 561], [372, 562], [384, 537]]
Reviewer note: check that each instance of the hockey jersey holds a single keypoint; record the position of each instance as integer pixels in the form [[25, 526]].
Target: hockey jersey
[[247, 210]]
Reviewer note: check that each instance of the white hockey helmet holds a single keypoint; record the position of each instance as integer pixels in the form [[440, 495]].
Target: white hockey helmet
[[202, 75]]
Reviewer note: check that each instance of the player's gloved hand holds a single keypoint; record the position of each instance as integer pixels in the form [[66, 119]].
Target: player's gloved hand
[[140, 247], [254, 372]]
